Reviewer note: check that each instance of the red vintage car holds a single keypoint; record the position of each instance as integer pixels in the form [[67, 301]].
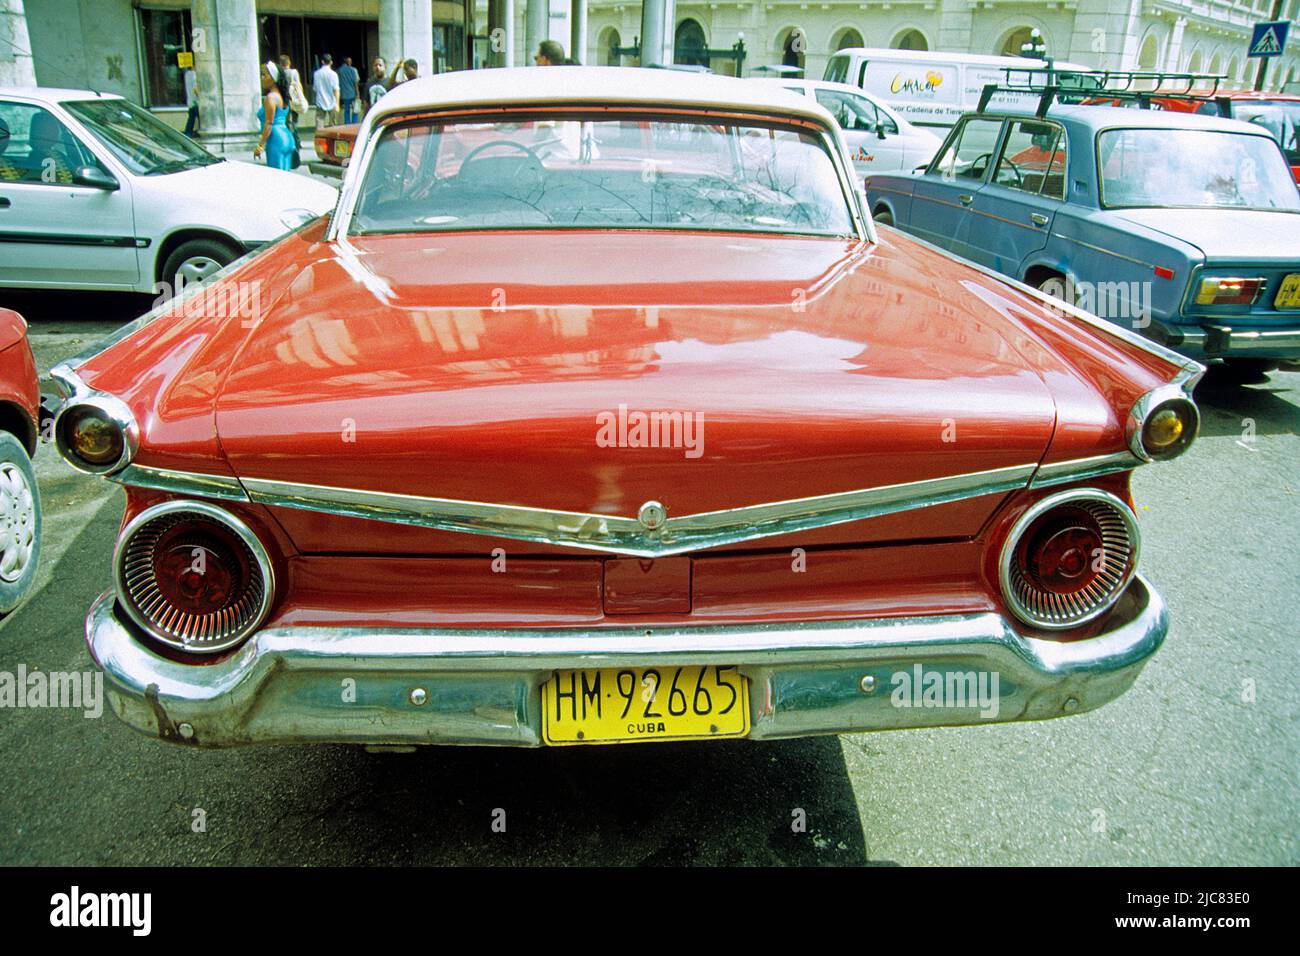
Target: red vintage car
[[600, 412], [20, 497]]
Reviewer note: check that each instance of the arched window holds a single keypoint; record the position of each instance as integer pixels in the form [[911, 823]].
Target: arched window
[[689, 45], [1149, 54], [910, 40], [1234, 72], [1015, 41], [609, 41], [1216, 64], [848, 37], [794, 44], [1194, 63]]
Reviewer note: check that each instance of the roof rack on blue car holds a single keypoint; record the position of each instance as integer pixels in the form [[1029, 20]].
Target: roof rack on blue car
[[1139, 87]]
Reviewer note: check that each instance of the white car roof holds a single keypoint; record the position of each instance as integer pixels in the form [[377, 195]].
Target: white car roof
[[54, 94], [938, 56], [601, 85]]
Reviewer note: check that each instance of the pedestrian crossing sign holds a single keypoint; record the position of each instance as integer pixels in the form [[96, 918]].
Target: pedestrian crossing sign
[[1269, 39]]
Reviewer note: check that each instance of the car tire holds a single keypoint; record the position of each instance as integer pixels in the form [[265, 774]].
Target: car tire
[[1249, 370], [1055, 285], [196, 260], [884, 216], [20, 523]]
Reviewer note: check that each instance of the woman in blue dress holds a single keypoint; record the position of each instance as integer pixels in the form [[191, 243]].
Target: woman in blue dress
[[277, 142]]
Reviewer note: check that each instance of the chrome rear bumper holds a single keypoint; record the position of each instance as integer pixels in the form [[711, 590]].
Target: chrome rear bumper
[[1222, 341], [483, 687]]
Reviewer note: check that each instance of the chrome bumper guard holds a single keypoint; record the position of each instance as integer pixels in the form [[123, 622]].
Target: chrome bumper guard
[[484, 687], [1221, 340]]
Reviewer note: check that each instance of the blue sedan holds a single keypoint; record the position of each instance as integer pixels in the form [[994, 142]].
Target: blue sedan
[[1183, 227]]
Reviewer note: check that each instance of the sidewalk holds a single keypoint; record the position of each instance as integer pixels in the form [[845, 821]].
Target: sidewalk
[[306, 153]]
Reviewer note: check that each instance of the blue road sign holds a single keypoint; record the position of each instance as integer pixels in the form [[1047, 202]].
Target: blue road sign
[[1269, 39]]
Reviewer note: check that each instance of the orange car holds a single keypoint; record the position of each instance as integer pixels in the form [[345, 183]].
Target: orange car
[[334, 143]]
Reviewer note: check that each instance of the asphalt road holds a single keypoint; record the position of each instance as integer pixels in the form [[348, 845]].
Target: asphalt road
[[1189, 767]]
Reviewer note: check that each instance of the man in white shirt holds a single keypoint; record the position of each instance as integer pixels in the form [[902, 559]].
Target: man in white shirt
[[325, 89], [191, 101]]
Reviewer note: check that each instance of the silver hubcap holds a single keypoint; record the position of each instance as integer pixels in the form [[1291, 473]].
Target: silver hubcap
[[197, 268], [17, 522]]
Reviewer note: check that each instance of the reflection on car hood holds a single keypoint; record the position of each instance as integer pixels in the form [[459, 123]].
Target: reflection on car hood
[[478, 367]]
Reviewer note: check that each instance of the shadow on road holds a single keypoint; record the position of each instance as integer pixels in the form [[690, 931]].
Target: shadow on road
[[1272, 405], [92, 791], [50, 307]]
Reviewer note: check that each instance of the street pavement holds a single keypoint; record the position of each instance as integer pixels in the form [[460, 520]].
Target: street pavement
[[1197, 764]]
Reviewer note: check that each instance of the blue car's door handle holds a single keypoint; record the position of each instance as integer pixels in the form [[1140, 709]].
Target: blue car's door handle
[[965, 199], [1038, 219]]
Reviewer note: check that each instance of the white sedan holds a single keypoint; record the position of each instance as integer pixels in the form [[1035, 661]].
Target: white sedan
[[879, 139], [97, 193]]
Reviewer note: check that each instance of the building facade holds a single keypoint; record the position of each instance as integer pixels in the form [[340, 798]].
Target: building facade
[[136, 47]]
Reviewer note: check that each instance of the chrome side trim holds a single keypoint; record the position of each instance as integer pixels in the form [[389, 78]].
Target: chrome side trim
[[616, 534], [1060, 472], [222, 487]]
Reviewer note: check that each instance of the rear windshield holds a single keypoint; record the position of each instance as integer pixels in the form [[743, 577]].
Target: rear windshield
[[601, 172], [1193, 168]]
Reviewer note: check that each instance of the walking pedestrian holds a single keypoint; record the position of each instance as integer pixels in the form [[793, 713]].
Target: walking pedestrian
[[294, 98], [377, 84], [325, 90], [276, 140], [349, 82], [191, 102], [549, 53]]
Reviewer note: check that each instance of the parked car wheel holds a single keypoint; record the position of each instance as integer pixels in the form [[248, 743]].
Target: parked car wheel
[[884, 216], [196, 260], [20, 523], [1249, 369]]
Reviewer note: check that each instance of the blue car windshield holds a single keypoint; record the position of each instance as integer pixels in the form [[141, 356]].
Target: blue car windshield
[[1193, 168]]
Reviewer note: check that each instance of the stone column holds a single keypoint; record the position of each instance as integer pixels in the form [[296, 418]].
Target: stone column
[[578, 30], [657, 21], [537, 26], [1174, 52], [1106, 34], [501, 32], [227, 64], [16, 66], [406, 30], [955, 20]]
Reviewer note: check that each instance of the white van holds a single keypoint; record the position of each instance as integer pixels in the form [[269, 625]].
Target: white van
[[879, 140], [924, 86]]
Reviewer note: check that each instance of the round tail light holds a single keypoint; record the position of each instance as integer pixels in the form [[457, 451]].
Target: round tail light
[[96, 434], [193, 576], [1069, 558], [1163, 424]]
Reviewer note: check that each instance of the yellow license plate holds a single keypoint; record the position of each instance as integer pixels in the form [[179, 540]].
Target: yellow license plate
[[1288, 297], [341, 147], [636, 704]]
